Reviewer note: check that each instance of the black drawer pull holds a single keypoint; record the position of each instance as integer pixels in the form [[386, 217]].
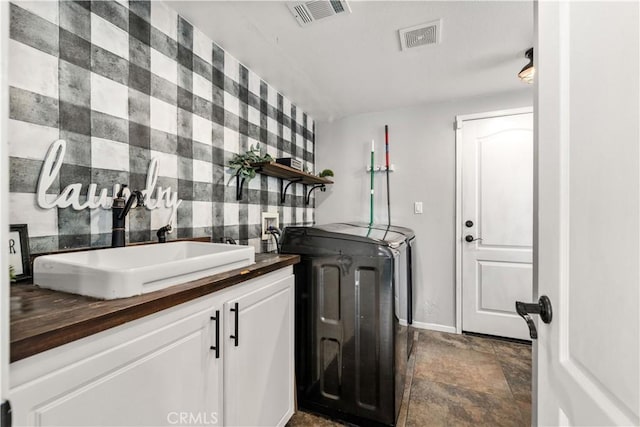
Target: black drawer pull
[[216, 319], [234, 337]]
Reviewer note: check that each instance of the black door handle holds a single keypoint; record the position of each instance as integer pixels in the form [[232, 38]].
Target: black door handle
[[542, 307], [216, 318], [469, 238], [468, 223], [5, 414], [234, 337]]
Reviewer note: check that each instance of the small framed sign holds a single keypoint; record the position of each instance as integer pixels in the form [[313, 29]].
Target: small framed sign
[[19, 256]]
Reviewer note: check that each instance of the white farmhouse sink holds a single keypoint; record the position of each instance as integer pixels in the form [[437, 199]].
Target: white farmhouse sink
[[135, 270]]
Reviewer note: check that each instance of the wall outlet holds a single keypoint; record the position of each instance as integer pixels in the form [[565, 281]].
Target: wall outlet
[[417, 208], [269, 219]]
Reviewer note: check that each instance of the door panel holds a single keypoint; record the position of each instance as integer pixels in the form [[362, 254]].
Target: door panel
[[506, 182], [588, 203], [497, 186], [499, 282]]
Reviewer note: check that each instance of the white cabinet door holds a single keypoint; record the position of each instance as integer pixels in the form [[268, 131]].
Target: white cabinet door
[[152, 373], [258, 359]]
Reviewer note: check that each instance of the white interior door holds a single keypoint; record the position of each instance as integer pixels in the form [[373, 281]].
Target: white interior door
[[497, 213], [588, 211]]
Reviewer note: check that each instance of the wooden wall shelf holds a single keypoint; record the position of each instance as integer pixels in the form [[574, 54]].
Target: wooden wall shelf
[[286, 173]]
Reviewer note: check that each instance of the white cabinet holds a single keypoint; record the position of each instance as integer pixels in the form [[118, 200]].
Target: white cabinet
[[258, 356], [162, 370], [165, 366]]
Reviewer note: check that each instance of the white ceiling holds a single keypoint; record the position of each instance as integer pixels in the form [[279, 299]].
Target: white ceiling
[[352, 63]]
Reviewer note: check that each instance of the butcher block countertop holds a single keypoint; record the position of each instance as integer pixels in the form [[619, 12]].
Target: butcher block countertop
[[42, 319]]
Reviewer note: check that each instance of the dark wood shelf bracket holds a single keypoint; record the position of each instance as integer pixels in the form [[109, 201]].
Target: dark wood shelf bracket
[[239, 185], [283, 192], [322, 187]]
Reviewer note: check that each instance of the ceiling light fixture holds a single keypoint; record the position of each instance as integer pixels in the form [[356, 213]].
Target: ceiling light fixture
[[529, 71]]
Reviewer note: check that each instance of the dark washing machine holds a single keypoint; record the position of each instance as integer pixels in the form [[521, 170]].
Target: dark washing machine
[[353, 307]]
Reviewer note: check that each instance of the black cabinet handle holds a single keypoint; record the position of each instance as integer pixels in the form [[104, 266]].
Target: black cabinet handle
[[216, 319], [234, 337]]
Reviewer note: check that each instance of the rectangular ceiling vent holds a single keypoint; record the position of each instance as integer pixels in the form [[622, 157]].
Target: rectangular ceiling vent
[[421, 35], [310, 11]]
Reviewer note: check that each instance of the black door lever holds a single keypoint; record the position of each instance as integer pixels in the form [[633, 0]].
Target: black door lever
[[542, 307]]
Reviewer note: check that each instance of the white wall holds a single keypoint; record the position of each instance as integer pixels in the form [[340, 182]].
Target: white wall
[[422, 148]]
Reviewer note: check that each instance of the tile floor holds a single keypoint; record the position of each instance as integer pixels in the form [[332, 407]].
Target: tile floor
[[460, 380]]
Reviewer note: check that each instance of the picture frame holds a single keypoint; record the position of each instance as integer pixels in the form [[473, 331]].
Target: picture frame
[[19, 253]]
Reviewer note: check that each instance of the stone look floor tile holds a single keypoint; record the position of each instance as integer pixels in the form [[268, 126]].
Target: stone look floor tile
[[305, 419], [404, 406], [455, 341], [525, 410], [511, 349], [490, 377], [518, 375], [462, 366], [422, 414], [515, 360], [444, 404]]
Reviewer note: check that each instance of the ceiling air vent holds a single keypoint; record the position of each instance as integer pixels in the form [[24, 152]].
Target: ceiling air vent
[[421, 35], [310, 11]]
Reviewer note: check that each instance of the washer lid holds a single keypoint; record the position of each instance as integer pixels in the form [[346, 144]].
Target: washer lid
[[407, 232], [359, 232]]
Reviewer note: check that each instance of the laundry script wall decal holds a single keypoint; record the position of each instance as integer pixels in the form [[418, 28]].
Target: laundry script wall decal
[[70, 195]]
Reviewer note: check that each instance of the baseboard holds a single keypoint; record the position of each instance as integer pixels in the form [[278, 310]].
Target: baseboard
[[434, 327]]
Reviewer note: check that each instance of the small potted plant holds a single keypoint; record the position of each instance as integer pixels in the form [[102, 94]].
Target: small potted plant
[[325, 173], [240, 164], [242, 169]]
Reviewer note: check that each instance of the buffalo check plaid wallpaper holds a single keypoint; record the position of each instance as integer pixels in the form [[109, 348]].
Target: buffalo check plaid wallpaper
[[122, 83]]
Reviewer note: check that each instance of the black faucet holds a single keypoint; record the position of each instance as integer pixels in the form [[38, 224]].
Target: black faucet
[[162, 233], [276, 234], [120, 208]]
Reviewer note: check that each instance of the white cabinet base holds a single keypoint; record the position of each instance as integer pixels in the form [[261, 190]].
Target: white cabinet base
[[161, 370]]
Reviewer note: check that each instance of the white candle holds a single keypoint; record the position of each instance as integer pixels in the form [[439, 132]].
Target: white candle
[[372, 145]]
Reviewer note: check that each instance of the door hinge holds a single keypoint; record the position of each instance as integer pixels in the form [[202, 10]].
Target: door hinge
[[5, 414], [457, 125]]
